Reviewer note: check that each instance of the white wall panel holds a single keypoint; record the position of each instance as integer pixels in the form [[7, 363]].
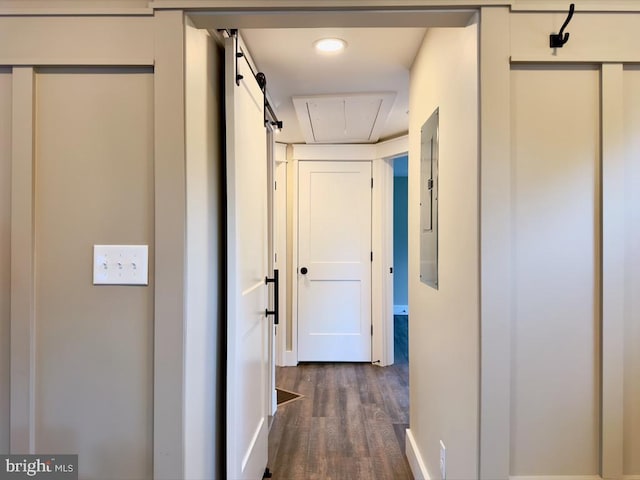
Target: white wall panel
[[555, 199], [5, 255], [73, 40], [94, 344], [530, 36], [632, 273]]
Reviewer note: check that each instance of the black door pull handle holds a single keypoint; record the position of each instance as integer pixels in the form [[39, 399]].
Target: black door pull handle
[[276, 304], [304, 270]]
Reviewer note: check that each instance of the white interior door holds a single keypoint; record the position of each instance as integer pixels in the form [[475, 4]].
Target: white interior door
[[334, 262], [247, 252]]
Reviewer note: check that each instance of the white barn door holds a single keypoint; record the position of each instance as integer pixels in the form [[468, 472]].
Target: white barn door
[[247, 259], [334, 262]]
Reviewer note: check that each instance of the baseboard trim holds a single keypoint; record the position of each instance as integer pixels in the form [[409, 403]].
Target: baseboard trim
[[290, 359], [401, 309], [418, 467], [555, 477], [567, 477]]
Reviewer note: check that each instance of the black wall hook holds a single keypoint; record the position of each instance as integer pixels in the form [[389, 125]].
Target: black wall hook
[[557, 40]]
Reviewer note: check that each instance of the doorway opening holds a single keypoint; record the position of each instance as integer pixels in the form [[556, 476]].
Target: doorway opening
[[343, 18], [400, 260]]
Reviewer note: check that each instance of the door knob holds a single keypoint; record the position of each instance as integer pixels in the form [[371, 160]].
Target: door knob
[[304, 270]]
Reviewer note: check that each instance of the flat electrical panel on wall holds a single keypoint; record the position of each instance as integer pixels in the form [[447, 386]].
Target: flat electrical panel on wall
[[120, 265], [429, 201]]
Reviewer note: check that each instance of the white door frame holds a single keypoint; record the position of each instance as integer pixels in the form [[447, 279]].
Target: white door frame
[[381, 155], [272, 225], [214, 19], [281, 253]]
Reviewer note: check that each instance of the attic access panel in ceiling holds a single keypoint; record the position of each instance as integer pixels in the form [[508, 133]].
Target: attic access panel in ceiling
[[347, 118]]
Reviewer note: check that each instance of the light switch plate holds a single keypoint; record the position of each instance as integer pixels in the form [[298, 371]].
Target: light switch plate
[[120, 265]]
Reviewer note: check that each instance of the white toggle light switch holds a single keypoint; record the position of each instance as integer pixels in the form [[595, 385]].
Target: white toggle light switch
[[120, 265]]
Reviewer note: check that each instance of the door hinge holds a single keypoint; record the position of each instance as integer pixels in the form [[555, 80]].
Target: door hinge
[[372, 330], [372, 256], [371, 182], [275, 185]]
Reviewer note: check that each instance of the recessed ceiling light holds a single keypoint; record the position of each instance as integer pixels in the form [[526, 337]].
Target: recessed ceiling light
[[330, 45]]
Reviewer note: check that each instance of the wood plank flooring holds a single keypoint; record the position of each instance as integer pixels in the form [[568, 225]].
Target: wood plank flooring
[[350, 424]]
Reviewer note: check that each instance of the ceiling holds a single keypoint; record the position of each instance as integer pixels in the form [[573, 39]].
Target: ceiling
[[376, 60]]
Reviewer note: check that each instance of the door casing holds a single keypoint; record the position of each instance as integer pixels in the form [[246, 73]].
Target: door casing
[[381, 156]]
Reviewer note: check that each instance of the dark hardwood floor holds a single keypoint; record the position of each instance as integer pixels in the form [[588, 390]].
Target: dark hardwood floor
[[350, 424]]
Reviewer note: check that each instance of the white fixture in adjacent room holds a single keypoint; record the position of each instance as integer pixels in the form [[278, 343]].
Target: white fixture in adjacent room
[[120, 265]]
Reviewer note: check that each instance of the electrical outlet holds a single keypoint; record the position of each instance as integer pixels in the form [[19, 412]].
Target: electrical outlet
[[443, 461]]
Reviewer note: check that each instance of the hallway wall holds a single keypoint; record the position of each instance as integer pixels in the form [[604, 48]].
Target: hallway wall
[[444, 340]]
